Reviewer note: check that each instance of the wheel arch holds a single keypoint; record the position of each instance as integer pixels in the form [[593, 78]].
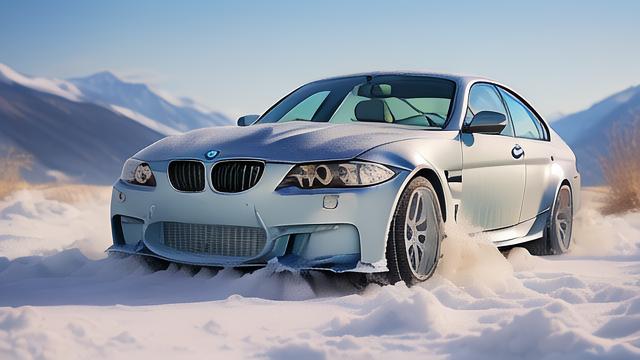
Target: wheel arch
[[430, 174], [561, 183], [434, 179]]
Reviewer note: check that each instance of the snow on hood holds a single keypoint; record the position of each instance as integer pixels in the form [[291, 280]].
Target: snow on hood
[[285, 142]]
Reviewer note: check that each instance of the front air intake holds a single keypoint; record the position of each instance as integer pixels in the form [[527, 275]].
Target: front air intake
[[214, 240], [236, 176], [187, 175]]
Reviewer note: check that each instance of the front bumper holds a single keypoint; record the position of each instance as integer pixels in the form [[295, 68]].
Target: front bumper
[[300, 232]]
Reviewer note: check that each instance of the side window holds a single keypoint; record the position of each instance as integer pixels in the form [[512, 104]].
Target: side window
[[525, 123], [306, 108], [484, 97]]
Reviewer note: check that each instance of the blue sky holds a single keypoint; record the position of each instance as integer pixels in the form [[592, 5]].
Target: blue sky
[[241, 56]]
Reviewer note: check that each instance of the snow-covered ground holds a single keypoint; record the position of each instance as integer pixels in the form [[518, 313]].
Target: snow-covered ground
[[61, 298]]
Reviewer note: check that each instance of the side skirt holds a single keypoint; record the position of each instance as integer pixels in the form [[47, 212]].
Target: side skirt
[[525, 231]]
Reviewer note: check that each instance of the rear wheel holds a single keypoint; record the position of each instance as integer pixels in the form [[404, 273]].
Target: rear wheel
[[413, 244], [559, 229]]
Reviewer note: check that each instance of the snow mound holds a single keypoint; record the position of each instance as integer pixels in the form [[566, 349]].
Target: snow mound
[[521, 260], [553, 331], [58, 300], [69, 277], [395, 311], [596, 234], [38, 222], [295, 351], [474, 262]]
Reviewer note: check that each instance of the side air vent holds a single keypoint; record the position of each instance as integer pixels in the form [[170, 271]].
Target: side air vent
[[187, 176], [236, 176]]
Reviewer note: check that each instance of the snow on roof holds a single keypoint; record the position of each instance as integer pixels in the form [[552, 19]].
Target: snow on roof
[[460, 79]]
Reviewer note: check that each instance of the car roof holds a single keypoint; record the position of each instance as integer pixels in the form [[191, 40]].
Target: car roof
[[462, 81], [459, 79]]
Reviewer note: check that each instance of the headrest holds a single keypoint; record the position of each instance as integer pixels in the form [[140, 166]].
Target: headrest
[[374, 110], [375, 90]]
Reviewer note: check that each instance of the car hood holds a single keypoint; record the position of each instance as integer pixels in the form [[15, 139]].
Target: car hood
[[290, 142]]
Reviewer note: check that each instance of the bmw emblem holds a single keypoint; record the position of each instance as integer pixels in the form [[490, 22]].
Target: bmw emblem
[[211, 154]]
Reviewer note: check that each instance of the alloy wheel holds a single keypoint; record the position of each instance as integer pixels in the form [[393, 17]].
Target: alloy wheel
[[421, 233], [563, 217]]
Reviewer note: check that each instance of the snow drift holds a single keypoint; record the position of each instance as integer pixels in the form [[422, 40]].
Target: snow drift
[[60, 297]]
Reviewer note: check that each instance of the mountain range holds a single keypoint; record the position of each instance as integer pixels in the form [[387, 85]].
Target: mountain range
[[84, 128], [589, 132], [181, 115]]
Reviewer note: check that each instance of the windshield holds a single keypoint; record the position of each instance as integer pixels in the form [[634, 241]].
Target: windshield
[[419, 101]]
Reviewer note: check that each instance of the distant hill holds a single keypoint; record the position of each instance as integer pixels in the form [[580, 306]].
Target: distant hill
[[588, 132], [86, 128], [82, 140], [182, 115]]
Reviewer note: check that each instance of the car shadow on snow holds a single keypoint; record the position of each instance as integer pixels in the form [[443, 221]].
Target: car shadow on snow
[[70, 278]]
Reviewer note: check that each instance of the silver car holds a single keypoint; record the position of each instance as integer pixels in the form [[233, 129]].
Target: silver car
[[353, 174]]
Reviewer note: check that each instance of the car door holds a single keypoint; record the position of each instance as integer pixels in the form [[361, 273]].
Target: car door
[[532, 136], [493, 172]]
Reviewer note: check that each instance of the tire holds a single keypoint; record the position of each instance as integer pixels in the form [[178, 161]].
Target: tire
[[558, 233], [415, 235]]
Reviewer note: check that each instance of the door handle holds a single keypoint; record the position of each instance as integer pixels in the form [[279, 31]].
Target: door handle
[[517, 151]]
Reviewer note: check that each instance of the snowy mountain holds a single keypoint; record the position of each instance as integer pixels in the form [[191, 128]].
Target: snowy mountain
[[136, 101], [107, 89], [588, 131], [69, 91], [85, 128], [554, 116], [57, 87], [84, 141]]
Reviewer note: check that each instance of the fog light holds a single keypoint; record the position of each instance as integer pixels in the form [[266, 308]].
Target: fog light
[[121, 196], [330, 201]]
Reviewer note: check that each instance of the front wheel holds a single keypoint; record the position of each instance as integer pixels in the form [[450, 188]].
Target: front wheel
[[413, 243]]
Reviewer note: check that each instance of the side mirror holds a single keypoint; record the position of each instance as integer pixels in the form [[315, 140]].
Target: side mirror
[[486, 122], [247, 120]]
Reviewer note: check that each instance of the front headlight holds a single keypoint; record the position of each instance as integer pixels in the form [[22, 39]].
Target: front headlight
[[138, 173], [337, 175]]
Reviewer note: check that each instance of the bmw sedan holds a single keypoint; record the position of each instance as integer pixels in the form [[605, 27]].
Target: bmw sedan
[[357, 173]]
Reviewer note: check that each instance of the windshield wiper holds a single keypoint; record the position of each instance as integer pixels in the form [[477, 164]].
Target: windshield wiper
[[298, 119], [429, 119]]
